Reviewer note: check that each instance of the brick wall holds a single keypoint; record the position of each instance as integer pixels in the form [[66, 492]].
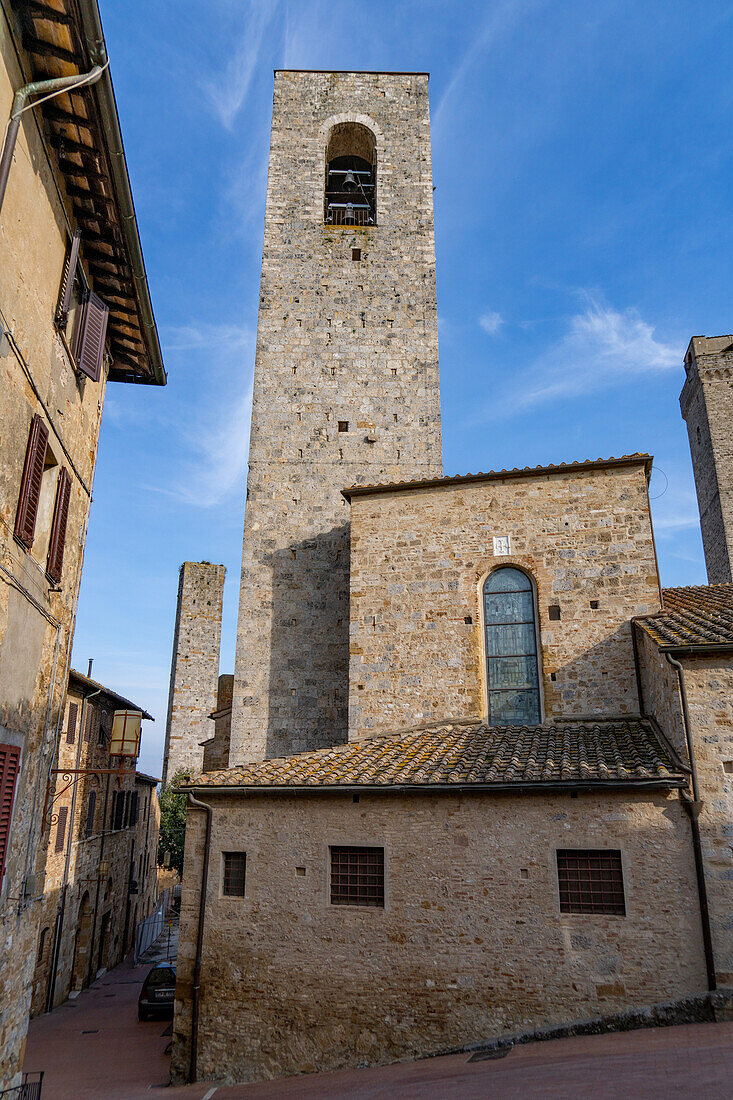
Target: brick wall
[[338, 341], [470, 943], [418, 560]]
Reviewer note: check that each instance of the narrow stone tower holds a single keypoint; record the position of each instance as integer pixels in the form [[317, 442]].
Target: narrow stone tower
[[707, 406], [346, 384], [194, 666]]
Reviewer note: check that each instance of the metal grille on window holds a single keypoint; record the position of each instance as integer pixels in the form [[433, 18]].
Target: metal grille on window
[[357, 876], [591, 881], [235, 865], [512, 677]]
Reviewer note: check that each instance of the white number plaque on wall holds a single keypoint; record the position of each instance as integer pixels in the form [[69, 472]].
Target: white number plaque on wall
[[502, 545]]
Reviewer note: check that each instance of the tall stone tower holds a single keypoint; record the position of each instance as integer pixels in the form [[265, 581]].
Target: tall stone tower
[[195, 665], [707, 406], [346, 384]]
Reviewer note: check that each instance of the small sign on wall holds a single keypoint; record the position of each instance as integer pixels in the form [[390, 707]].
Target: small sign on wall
[[502, 545]]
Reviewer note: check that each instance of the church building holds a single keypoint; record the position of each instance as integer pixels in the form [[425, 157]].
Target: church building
[[473, 773]]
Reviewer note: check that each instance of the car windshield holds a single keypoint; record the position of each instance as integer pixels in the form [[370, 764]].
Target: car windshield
[[162, 975]]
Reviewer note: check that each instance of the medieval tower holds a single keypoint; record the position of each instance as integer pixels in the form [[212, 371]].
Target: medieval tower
[[707, 406], [195, 665], [346, 384]]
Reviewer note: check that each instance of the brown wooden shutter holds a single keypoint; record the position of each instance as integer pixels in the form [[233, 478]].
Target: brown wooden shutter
[[89, 723], [9, 765], [91, 808], [30, 486], [89, 337], [71, 723], [61, 829], [67, 281], [55, 561]]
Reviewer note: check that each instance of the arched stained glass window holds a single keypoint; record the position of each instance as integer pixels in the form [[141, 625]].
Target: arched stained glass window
[[512, 676]]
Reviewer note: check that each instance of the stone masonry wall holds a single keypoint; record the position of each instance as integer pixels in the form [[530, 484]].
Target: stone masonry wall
[[36, 615], [194, 666], [418, 561], [709, 686], [345, 390], [707, 406], [471, 942]]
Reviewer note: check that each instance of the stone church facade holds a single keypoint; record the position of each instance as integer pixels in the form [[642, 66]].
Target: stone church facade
[[473, 772]]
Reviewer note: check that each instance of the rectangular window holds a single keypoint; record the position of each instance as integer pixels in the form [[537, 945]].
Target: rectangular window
[[591, 881], [9, 765], [235, 865], [357, 876]]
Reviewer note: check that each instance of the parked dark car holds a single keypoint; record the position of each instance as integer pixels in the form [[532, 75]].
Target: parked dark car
[[158, 992]]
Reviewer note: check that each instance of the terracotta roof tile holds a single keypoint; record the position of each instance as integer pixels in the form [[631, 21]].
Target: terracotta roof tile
[[627, 750], [700, 615], [494, 475]]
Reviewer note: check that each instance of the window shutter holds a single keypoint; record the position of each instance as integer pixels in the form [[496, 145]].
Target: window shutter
[[91, 808], [30, 486], [90, 334], [71, 723], [88, 723], [58, 528], [61, 829], [134, 807], [67, 281], [9, 765]]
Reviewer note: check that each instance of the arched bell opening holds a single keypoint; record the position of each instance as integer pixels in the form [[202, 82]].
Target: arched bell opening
[[351, 176]]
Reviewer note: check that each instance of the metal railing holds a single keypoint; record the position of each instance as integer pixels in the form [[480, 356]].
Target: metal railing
[[349, 213], [29, 1088]]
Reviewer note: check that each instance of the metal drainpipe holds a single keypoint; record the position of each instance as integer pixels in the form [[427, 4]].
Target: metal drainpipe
[[193, 1065], [693, 807], [59, 928], [38, 87]]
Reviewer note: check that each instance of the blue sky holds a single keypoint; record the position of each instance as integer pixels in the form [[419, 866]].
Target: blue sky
[[582, 160]]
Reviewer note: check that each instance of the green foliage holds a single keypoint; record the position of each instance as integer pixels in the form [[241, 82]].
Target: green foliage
[[173, 822]]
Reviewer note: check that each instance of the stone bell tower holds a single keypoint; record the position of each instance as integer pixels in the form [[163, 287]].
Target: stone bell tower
[[707, 406], [346, 384]]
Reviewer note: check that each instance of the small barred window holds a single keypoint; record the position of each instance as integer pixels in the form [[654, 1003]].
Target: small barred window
[[357, 876], [591, 881], [235, 865]]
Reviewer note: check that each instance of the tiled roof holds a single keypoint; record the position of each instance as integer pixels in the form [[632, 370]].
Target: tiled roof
[[495, 475], [84, 683], [621, 750], [701, 615]]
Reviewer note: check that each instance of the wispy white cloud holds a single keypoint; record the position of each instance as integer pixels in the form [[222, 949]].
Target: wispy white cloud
[[227, 91], [503, 17], [601, 347], [491, 322], [211, 451]]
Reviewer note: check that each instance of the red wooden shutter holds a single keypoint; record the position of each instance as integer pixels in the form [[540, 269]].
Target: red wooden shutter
[[30, 486], [90, 334], [9, 765], [67, 281], [71, 723], [61, 829], [55, 561]]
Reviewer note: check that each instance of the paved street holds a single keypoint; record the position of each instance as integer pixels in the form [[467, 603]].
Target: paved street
[[94, 1047]]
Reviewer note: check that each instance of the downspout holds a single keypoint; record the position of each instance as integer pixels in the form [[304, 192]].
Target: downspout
[[59, 928], [51, 88], [195, 804], [96, 893], [693, 807]]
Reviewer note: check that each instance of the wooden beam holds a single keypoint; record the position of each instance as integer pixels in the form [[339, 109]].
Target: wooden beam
[[70, 169], [67, 118], [42, 48], [41, 11], [68, 145], [83, 193]]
